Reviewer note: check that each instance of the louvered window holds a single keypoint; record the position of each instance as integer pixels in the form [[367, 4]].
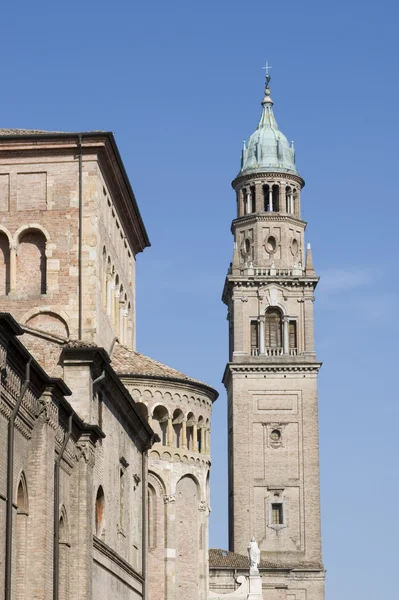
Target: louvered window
[[273, 328], [292, 334], [277, 514], [253, 199], [254, 335]]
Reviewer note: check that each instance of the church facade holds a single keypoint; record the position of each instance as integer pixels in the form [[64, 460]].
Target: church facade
[[271, 377]]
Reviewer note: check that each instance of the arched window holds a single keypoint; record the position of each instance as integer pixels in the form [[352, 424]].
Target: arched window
[[115, 307], [109, 287], [289, 200], [276, 198], [63, 591], [121, 310], [4, 265], [31, 263], [156, 532], [295, 202], [125, 320], [129, 340], [104, 277], [160, 423], [273, 330], [100, 506], [21, 538], [267, 200], [253, 198], [177, 427], [152, 520], [245, 201], [187, 562]]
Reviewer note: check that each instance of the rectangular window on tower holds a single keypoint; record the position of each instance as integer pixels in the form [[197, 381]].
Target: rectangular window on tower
[[277, 514], [292, 337], [254, 338]]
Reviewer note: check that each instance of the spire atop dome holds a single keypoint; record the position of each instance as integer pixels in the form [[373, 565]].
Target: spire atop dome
[[267, 99], [267, 118]]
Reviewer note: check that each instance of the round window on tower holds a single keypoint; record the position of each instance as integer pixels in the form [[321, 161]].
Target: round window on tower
[[294, 247], [247, 245], [271, 244]]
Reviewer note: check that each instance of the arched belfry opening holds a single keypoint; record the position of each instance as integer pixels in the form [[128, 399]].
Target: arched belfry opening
[[273, 331], [276, 198]]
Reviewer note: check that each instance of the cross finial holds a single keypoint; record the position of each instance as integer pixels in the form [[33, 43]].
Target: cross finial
[[267, 68]]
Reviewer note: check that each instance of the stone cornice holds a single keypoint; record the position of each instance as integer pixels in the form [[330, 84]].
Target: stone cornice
[[259, 282], [277, 367], [160, 382], [267, 175], [116, 559], [267, 216]]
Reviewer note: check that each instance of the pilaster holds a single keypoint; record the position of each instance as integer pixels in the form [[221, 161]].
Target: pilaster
[[170, 547], [39, 582], [82, 523]]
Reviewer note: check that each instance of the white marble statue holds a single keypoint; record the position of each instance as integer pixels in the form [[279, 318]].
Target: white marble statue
[[254, 556]]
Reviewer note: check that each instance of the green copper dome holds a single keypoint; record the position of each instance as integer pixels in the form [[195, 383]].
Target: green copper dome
[[268, 149]]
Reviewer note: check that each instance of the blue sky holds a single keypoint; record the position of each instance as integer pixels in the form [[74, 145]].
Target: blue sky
[[180, 84]]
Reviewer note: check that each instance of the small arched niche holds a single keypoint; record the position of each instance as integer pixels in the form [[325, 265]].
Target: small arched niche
[[31, 263]]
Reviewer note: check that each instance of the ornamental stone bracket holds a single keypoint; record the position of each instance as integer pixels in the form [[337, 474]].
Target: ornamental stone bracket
[[48, 411], [203, 506], [170, 499], [86, 451]]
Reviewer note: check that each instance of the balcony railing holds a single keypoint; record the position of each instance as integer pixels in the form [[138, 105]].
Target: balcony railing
[[251, 270], [274, 351]]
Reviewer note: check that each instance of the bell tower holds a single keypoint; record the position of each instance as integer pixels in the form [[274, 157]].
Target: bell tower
[[271, 376]]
